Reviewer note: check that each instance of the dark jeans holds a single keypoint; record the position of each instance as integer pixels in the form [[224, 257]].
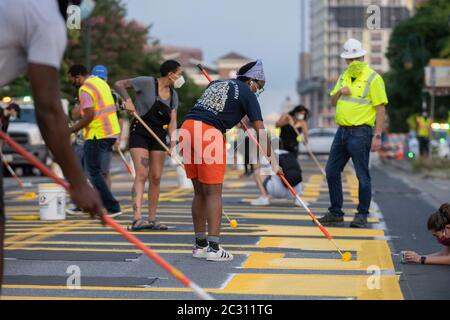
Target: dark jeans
[[94, 151], [354, 143], [424, 146]]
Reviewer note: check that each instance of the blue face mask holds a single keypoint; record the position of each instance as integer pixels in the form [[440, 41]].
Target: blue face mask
[[258, 90]]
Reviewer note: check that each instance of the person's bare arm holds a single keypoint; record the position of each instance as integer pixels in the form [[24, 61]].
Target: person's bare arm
[[342, 92], [76, 113], [284, 120], [121, 87], [116, 146], [88, 116], [172, 128], [381, 115], [53, 124], [439, 258], [305, 132]]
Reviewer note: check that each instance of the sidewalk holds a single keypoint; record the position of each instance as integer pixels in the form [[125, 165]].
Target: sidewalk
[[279, 253], [434, 186]]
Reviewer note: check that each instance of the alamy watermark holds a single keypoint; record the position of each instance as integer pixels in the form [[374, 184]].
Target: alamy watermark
[[374, 280], [236, 147], [374, 20], [74, 280], [73, 21]]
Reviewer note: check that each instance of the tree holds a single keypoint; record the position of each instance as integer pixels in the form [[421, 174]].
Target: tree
[[413, 43], [120, 45]]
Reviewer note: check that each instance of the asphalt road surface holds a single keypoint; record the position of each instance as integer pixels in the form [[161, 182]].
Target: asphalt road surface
[[279, 253]]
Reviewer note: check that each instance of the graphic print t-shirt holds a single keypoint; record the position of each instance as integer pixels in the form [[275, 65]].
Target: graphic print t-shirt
[[225, 103]]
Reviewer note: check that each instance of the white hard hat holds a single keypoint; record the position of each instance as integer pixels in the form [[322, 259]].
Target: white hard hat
[[353, 49]]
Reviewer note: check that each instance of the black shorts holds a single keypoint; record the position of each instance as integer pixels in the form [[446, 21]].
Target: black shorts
[[138, 141]]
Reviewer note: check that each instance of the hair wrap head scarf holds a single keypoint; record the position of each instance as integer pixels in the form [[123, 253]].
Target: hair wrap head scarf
[[256, 72]]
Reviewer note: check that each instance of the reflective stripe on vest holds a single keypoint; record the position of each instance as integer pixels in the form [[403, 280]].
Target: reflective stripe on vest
[[104, 112], [424, 126], [364, 99]]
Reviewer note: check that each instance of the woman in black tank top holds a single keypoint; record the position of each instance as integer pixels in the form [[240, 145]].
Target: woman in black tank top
[[293, 124]]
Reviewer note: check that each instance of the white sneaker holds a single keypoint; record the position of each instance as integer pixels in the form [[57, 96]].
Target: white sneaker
[[75, 212], [218, 256], [115, 214], [299, 204], [199, 253], [261, 201]]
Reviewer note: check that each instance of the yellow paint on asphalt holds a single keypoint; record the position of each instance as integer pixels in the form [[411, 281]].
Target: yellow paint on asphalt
[[115, 250], [248, 200], [261, 260], [315, 285], [36, 236], [370, 253], [312, 244], [42, 235], [263, 230]]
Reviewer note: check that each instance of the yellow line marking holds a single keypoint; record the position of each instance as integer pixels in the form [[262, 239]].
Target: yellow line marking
[[248, 200], [258, 231], [315, 285], [236, 215], [262, 260], [236, 184], [49, 234], [310, 244], [23, 236], [371, 253]]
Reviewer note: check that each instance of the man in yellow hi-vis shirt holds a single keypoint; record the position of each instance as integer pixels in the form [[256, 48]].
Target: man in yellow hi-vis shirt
[[424, 134], [100, 127], [360, 99]]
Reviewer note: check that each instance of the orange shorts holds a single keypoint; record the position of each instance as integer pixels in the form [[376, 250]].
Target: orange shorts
[[204, 152]]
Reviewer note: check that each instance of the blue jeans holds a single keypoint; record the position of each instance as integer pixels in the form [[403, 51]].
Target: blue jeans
[[354, 143], [105, 160], [94, 152]]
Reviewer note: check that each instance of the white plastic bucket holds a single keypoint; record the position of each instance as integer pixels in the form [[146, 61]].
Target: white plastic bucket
[[183, 181], [52, 202]]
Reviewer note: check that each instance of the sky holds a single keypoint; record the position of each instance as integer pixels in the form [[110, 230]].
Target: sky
[[264, 29]]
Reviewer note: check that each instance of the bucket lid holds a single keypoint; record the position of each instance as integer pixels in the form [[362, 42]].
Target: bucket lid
[[49, 186]]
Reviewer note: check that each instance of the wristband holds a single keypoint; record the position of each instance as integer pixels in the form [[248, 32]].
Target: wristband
[[423, 260]]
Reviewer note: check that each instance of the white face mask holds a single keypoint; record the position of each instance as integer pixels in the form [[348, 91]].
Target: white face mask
[[301, 117], [12, 118], [179, 82], [258, 91]]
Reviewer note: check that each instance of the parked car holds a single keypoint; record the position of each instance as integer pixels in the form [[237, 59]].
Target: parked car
[[320, 140], [25, 132]]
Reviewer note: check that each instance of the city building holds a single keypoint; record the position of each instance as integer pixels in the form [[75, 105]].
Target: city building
[[331, 23], [229, 64], [225, 67]]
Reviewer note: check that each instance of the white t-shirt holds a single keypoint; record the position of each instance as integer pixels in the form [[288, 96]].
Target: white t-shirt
[[275, 186], [31, 31]]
